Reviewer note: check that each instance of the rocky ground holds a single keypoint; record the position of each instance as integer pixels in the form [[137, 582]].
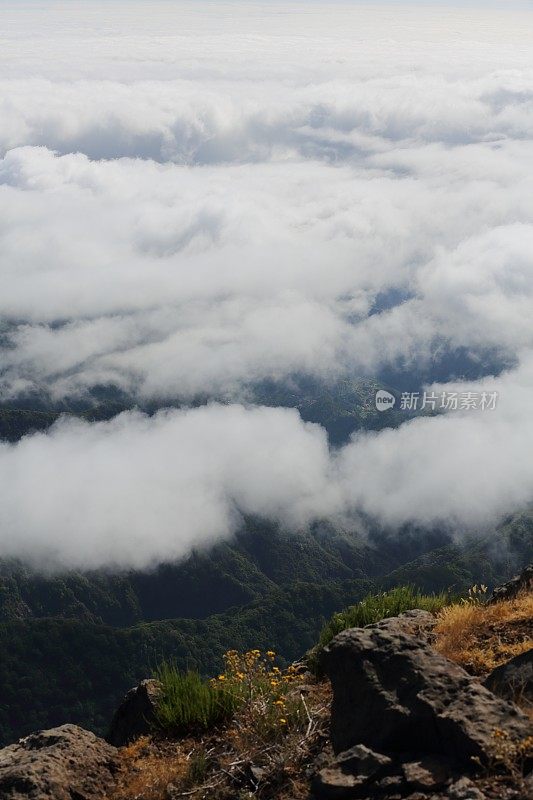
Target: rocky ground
[[395, 716]]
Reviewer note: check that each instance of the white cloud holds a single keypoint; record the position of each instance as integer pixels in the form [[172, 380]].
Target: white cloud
[[460, 470], [171, 281], [253, 172], [138, 490], [194, 200]]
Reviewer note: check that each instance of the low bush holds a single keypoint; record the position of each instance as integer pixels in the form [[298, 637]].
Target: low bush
[[270, 707], [251, 683], [190, 704]]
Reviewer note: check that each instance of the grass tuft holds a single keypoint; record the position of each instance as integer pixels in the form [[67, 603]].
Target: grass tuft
[[376, 607], [371, 609], [189, 704]]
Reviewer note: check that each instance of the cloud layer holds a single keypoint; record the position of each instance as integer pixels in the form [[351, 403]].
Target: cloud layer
[[172, 281], [174, 228], [206, 196], [139, 490]]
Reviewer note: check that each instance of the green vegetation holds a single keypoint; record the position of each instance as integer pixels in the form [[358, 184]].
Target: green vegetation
[[341, 408], [16, 423], [56, 670], [73, 644], [375, 607], [249, 680], [189, 703]]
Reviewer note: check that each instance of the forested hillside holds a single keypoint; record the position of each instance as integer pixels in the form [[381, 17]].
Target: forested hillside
[[341, 408], [73, 644]]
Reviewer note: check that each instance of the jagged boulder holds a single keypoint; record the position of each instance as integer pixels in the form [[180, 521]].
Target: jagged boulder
[[65, 763], [520, 583], [350, 773], [362, 773], [136, 715], [395, 694], [513, 680]]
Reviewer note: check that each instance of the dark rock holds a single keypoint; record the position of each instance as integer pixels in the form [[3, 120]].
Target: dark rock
[[331, 783], [464, 789], [513, 680], [509, 590], [415, 623], [429, 772], [361, 760], [346, 774], [394, 693], [136, 715], [65, 763]]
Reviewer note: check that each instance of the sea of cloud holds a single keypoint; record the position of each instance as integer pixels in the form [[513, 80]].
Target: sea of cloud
[[198, 196]]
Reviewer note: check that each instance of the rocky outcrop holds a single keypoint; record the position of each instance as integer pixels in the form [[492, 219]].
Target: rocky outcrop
[[136, 715], [513, 680], [520, 583], [378, 777], [65, 763], [393, 692], [405, 721]]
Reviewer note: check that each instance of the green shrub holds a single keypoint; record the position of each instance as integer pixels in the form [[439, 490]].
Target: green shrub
[[373, 608], [189, 704]]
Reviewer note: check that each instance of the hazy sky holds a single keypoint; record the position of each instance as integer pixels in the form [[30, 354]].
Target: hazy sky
[[196, 196]]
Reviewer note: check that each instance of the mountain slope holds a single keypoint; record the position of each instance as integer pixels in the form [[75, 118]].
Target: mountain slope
[[66, 658]]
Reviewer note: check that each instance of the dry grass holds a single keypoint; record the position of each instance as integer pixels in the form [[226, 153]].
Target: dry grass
[[481, 637], [147, 768], [217, 765]]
